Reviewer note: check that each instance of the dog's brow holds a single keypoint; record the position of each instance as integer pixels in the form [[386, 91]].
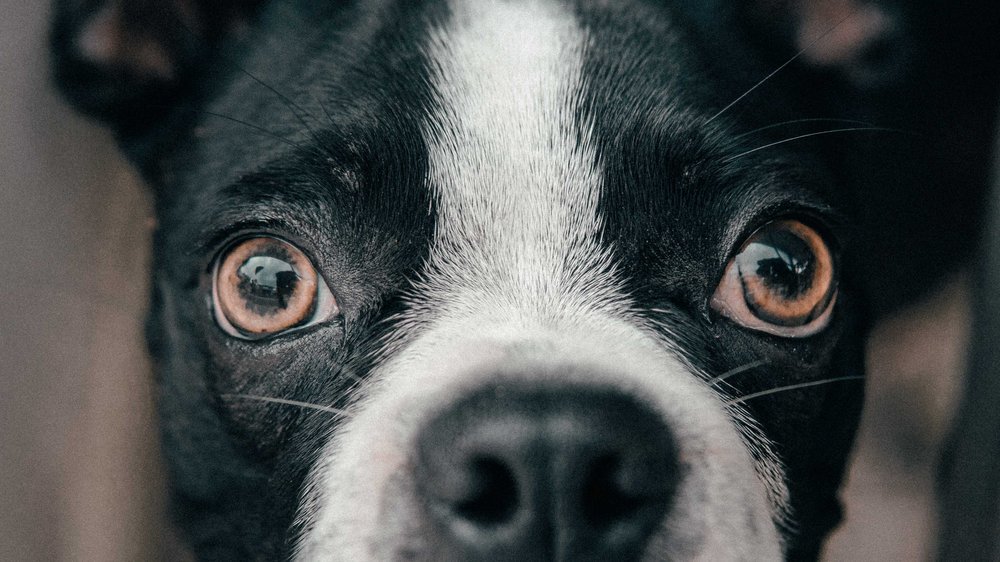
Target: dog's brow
[[269, 200]]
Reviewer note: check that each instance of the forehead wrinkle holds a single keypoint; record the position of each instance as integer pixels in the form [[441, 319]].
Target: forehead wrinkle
[[514, 170]]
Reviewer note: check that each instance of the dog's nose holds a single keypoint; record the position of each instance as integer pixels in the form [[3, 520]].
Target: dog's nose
[[515, 473]]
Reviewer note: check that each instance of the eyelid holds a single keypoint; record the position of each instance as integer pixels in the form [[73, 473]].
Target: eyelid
[[217, 240], [823, 219]]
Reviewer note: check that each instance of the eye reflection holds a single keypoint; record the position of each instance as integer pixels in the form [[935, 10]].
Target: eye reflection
[[266, 283]]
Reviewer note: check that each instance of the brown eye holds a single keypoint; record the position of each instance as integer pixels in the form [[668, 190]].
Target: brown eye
[[781, 282], [263, 286]]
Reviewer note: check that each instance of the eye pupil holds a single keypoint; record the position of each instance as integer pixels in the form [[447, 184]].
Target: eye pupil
[[267, 283]]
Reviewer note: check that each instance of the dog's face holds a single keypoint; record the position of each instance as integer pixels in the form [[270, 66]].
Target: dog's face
[[489, 280]]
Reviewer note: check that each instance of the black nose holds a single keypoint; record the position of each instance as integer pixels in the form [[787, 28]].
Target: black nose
[[514, 473]]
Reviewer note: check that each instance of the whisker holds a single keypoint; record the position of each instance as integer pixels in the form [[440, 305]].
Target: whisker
[[289, 102], [326, 112], [810, 120], [794, 58], [743, 399], [292, 106], [733, 372], [232, 119], [287, 402], [816, 134], [351, 375], [257, 128]]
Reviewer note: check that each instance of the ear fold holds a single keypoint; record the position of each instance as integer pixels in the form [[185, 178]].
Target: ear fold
[[125, 61], [865, 41]]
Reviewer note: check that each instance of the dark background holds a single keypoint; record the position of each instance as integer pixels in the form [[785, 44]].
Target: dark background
[[79, 473]]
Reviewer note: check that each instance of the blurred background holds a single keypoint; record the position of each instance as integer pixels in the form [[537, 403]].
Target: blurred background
[[80, 477]]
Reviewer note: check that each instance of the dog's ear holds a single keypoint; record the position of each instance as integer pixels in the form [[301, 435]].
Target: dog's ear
[[867, 42], [126, 61]]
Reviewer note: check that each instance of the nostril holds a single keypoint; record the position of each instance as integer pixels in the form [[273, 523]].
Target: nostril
[[605, 500], [492, 498], [614, 493]]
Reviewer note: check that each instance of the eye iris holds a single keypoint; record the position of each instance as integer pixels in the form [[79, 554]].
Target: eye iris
[[787, 274], [264, 286]]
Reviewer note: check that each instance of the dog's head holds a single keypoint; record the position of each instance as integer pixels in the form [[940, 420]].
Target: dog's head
[[487, 280]]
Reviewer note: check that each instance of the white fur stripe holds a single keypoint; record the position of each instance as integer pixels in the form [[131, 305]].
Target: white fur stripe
[[516, 175]]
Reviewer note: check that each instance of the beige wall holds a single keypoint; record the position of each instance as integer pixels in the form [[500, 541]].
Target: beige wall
[[76, 455]]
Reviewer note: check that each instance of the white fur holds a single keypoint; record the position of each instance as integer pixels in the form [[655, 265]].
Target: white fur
[[518, 285]]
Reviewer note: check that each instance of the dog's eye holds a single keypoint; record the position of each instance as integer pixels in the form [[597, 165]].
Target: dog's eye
[[264, 285], [782, 281]]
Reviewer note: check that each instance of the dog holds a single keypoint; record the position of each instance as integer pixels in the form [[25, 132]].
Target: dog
[[516, 279]]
